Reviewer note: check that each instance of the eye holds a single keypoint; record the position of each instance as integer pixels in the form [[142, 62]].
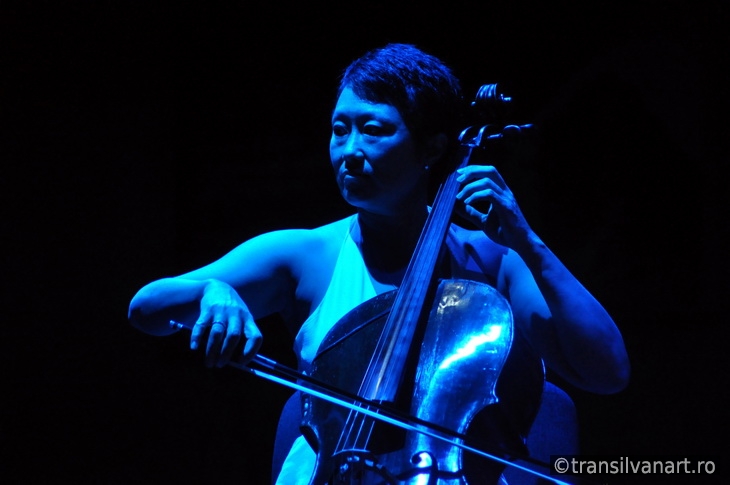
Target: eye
[[376, 129], [339, 129], [371, 130]]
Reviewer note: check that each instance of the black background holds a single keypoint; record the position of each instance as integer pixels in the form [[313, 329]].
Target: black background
[[144, 140]]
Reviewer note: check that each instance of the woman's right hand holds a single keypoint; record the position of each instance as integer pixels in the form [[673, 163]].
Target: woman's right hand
[[224, 319]]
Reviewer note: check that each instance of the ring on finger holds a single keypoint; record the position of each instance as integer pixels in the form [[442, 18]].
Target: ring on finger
[[220, 323]]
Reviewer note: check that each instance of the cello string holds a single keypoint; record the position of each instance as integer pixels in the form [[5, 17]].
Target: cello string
[[346, 439]]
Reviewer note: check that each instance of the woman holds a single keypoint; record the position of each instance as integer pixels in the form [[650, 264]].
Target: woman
[[396, 117]]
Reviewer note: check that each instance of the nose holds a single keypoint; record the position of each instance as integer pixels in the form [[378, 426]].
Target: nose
[[352, 152]]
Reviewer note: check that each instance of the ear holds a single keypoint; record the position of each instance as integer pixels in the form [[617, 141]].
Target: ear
[[434, 149]]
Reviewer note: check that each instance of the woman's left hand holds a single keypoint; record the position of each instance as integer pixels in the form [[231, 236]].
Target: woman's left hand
[[491, 206]]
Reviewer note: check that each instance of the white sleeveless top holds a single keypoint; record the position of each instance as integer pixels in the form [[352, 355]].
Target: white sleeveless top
[[350, 285]]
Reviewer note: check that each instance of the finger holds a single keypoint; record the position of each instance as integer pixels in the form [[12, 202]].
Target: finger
[[198, 331], [479, 203], [481, 197], [254, 339], [215, 341], [497, 177], [476, 217], [471, 173], [480, 178], [231, 340]]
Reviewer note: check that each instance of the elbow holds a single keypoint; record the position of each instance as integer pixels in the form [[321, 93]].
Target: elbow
[[614, 378], [135, 316], [620, 377], [606, 375], [615, 383], [135, 313], [607, 369], [620, 370], [143, 317]]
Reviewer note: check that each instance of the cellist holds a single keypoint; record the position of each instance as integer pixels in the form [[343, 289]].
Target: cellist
[[397, 115]]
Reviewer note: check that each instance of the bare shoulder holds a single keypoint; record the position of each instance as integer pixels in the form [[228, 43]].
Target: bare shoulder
[[275, 254], [319, 245], [300, 243]]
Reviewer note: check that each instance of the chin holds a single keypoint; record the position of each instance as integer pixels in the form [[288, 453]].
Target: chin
[[356, 198]]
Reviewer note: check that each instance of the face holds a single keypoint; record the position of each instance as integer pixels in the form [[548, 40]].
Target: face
[[374, 156]]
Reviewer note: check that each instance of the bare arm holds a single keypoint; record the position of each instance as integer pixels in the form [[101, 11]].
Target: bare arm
[[224, 298], [572, 331]]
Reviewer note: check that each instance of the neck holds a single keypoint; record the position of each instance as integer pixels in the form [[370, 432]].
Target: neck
[[387, 242]]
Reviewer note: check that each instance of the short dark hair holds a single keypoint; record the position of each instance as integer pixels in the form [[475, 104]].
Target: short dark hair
[[423, 89]]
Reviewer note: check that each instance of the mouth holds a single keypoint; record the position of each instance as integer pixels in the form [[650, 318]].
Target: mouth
[[350, 176], [353, 182]]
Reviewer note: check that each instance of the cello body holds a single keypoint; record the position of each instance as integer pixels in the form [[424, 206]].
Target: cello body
[[452, 380]]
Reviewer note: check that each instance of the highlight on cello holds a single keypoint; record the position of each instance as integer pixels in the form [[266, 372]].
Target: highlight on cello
[[422, 323]]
